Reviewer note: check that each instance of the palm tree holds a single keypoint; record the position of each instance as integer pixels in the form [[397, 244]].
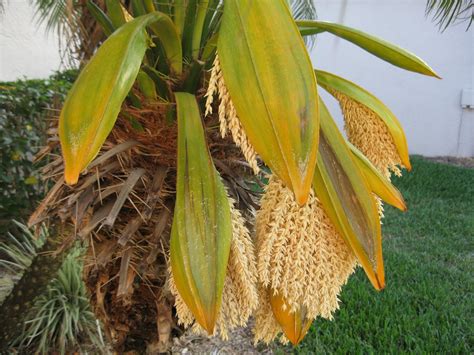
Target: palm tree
[[188, 118]]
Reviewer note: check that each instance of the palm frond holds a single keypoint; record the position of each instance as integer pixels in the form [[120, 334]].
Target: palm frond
[[62, 17], [78, 31], [55, 14], [304, 10], [448, 12]]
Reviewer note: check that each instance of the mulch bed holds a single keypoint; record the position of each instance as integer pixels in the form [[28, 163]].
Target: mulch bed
[[240, 342]]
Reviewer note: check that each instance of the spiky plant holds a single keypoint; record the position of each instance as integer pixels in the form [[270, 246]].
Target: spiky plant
[[153, 184], [60, 319], [16, 254]]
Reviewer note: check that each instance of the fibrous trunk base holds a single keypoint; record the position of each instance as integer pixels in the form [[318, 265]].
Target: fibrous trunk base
[[122, 208]]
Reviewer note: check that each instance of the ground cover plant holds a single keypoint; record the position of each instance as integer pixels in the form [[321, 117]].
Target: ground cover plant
[[428, 305], [160, 145]]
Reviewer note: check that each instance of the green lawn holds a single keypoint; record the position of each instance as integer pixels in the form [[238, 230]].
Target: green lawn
[[428, 304]]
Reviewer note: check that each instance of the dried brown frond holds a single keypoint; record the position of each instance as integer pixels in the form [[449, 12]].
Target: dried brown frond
[[228, 119], [239, 296], [367, 131], [300, 255], [121, 207]]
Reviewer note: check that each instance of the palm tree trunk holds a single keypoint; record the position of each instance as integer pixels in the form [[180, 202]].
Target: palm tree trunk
[[33, 283]]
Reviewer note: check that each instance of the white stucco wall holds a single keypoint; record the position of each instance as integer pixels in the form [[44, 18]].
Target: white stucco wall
[[428, 108], [25, 50]]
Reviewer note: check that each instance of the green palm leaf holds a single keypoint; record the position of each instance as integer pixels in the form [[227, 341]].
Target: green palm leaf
[[448, 12]]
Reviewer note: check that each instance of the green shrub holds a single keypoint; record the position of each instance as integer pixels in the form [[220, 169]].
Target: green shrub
[[23, 126]]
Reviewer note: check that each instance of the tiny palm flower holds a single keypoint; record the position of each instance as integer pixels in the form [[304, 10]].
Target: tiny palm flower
[[239, 297], [371, 127], [228, 119], [300, 257], [366, 130]]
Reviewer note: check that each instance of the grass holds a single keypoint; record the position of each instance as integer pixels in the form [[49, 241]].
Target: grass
[[428, 304]]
